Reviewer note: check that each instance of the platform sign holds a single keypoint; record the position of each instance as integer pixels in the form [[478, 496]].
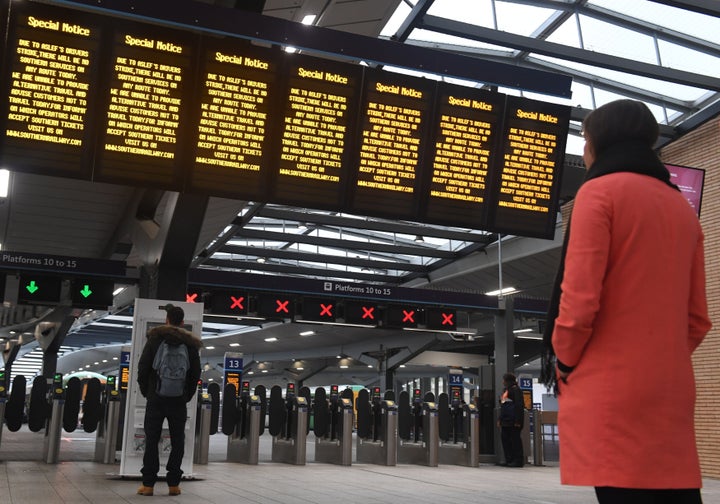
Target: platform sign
[[525, 383], [147, 314], [455, 381], [232, 370]]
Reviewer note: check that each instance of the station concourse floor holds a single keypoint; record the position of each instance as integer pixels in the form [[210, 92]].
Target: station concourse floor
[[26, 479]]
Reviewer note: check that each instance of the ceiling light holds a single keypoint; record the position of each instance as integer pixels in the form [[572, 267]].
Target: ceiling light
[[343, 366], [527, 329], [251, 372], [118, 291], [300, 368], [261, 260], [307, 333], [209, 348], [234, 344], [419, 239], [115, 358], [402, 365], [309, 19], [264, 370], [290, 49], [506, 290], [270, 340]]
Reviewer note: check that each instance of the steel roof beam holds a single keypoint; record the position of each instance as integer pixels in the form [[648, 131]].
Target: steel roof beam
[[490, 36]]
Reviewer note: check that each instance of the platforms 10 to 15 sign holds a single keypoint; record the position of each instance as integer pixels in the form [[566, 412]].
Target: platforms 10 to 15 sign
[[134, 103]]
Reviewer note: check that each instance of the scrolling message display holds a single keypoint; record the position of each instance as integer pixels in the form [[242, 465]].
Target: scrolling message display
[[163, 107]]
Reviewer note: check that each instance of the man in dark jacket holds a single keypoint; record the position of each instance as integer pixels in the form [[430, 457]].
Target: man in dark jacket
[[512, 418], [173, 408]]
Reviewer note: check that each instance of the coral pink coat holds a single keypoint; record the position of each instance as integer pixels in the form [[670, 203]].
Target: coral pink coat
[[632, 311]]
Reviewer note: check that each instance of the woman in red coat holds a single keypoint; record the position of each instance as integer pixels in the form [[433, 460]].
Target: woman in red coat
[[631, 310]]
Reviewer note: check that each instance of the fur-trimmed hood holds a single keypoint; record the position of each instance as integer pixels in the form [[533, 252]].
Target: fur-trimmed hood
[[174, 335]]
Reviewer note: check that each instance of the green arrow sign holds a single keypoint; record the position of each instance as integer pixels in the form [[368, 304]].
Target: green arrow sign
[[32, 287], [86, 291]]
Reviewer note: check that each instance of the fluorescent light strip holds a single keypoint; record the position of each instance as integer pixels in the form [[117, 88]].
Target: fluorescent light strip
[[417, 329]]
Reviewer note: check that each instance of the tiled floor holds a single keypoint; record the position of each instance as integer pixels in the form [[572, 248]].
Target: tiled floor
[[25, 479]]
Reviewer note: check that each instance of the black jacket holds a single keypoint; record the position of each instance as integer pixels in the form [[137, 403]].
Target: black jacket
[[516, 395], [147, 377]]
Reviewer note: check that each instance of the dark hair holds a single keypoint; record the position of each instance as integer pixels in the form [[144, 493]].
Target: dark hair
[[509, 378], [620, 121], [175, 315]]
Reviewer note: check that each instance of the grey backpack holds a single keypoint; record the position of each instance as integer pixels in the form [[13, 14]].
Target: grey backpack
[[171, 364]]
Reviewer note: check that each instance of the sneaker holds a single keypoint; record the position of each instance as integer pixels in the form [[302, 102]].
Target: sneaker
[[174, 490], [145, 490]]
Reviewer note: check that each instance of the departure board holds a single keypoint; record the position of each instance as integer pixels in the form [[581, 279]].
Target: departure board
[[235, 126], [394, 115], [528, 176], [467, 123], [50, 63], [141, 138], [127, 101], [318, 119]]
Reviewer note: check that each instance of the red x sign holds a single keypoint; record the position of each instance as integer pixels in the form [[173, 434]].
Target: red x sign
[[368, 312], [408, 316], [190, 298], [282, 306], [447, 318], [237, 302], [326, 310]]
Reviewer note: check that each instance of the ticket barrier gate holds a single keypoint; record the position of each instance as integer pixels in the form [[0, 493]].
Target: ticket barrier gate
[[459, 432], [288, 425], [51, 445], [420, 447], [109, 425], [202, 434], [244, 440], [377, 427], [333, 427]]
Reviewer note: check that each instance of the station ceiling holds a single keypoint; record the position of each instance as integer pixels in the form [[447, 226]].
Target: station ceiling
[[664, 53]]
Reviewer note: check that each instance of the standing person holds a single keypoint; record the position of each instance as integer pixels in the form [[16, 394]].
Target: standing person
[[628, 310], [168, 371], [512, 418]]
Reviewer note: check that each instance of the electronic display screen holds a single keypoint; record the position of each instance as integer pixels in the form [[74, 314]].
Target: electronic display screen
[[318, 116], [530, 167], [235, 124], [394, 116], [150, 73], [690, 181], [49, 65], [466, 126], [132, 102]]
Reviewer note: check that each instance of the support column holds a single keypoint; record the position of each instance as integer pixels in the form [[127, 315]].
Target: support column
[[504, 343]]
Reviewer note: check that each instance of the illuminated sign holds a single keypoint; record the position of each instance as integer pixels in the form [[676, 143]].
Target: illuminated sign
[[532, 157], [39, 289], [403, 316], [364, 313], [49, 71], [232, 370], [443, 319], [234, 130], [92, 293], [141, 137], [271, 306], [466, 128], [394, 116], [229, 303], [124, 370], [321, 309], [318, 121]]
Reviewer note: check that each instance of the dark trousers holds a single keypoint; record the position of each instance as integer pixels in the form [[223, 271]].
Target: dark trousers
[[512, 445], [612, 495], [156, 411]]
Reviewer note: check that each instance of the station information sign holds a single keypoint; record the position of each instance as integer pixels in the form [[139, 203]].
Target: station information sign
[[232, 370], [130, 102]]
